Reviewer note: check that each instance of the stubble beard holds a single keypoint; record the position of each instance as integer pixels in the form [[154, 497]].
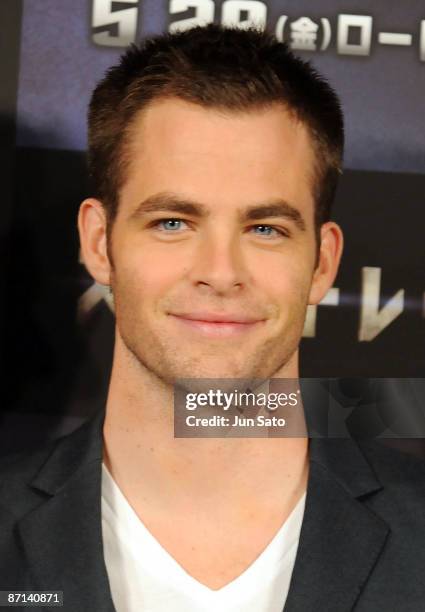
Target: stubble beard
[[166, 359]]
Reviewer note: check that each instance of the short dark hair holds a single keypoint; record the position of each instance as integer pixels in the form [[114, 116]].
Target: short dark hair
[[216, 67]]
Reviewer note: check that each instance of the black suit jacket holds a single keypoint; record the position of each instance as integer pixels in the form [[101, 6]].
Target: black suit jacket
[[362, 542]]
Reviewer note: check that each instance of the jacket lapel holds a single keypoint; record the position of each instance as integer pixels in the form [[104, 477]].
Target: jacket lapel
[[341, 539], [62, 537]]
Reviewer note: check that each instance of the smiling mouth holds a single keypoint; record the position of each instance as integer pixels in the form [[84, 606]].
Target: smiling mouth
[[217, 329]]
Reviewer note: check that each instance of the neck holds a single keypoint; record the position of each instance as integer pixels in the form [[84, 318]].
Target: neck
[[140, 449]]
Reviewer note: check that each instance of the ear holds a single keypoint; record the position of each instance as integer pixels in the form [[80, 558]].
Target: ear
[[92, 230], [331, 245]]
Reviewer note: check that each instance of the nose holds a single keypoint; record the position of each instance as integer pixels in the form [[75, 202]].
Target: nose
[[218, 263]]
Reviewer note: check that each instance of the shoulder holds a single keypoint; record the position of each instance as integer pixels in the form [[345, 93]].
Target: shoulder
[[17, 470], [24, 464], [402, 476], [27, 476], [391, 465]]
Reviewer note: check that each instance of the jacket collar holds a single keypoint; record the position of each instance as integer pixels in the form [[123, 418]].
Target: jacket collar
[[62, 536], [340, 541], [82, 447], [342, 458]]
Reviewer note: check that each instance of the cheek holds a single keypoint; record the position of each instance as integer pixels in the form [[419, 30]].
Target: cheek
[[286, 280], [142, 276]]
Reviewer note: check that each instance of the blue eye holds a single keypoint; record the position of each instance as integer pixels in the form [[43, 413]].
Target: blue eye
[[269, 227], [174, 224]]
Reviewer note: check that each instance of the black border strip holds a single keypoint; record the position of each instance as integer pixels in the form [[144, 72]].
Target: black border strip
[[10, 39]]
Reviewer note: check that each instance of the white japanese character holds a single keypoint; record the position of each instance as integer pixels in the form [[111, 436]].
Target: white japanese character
[[304, 34], [363, 25]]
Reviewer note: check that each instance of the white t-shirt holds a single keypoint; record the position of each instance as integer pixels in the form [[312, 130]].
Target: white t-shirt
[[144, 577]]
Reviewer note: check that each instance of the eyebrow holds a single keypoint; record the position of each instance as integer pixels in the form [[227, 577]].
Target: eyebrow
[[171, 202]]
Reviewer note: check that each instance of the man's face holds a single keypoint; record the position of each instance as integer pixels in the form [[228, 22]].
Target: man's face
[[218, 261]]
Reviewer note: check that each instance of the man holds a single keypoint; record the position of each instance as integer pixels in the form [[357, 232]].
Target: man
[[214, 155]]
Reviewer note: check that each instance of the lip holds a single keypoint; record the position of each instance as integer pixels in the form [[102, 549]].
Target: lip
[[218, 325], [215, 317]]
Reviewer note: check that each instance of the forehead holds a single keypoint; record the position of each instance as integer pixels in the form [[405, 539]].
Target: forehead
[[220, 156]]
